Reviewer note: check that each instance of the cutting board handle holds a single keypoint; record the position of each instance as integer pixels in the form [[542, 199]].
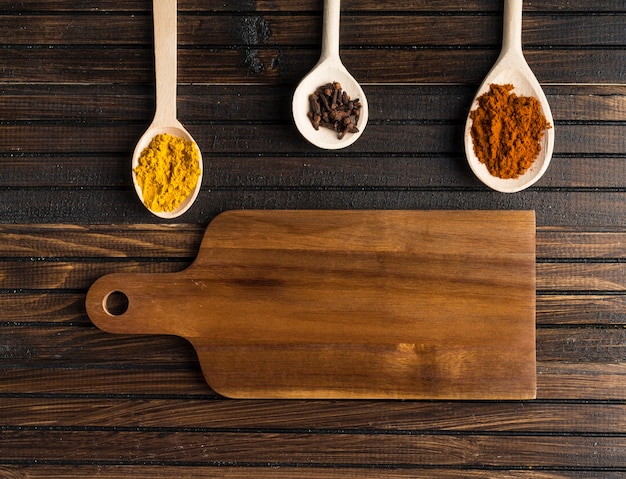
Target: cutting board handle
[[118, 303]]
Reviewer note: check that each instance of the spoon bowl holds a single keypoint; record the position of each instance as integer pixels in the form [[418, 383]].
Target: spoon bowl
[[165, 121], [511, 68], [328, 69], [175, 130]]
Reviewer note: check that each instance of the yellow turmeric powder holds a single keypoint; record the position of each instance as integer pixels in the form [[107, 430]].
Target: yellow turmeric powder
[[507, 130], [167, 172]]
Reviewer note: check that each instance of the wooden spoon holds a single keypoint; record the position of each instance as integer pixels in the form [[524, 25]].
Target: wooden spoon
[[511, 68], [165, 121], [328, 69]]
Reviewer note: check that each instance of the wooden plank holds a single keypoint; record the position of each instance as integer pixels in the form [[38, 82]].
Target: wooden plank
[[273, 65], [125, 241], [181, 414], [209, 103], [79, 381], [48, 275], [427, 171], [595, 345], [465, 28], [596, 243], [583, 309], [581, 277], [586, 208], [403, 139], [433, 6], [580, 381], [129, 447], [86, 345], [42, 307], [180, 241], [269, 472]]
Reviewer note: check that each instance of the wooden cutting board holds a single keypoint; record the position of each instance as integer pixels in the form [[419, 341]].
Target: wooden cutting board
[[348, 304]]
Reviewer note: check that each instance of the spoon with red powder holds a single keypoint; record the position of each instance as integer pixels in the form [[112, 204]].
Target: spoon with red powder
[[510, 69]]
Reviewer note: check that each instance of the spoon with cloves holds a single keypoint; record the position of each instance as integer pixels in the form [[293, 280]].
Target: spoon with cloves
[[328, 70]]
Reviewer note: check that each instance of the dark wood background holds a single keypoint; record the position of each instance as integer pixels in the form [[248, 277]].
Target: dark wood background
[[76, 92]]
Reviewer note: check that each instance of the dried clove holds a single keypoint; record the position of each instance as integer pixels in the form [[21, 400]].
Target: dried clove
[[331, 107]]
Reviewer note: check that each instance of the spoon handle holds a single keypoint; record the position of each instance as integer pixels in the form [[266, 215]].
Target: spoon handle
[[330, 32], [512, 26], [165, 60]]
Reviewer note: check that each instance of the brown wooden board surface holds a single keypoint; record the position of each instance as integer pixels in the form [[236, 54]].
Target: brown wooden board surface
[[348, 304]]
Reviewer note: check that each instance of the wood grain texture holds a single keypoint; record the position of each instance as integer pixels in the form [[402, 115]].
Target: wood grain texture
[[289, 472], [77, 91], [347, 304]]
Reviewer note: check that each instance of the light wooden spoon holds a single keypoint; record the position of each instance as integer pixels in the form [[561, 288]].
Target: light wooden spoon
[[328, 69], [511, 68], [165, 121]]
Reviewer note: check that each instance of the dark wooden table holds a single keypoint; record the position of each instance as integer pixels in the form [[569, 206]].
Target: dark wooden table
[[76, 92]]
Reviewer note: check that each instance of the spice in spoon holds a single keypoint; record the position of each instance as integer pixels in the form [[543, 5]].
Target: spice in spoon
[[507, 130], [167, 172], [331, 107]]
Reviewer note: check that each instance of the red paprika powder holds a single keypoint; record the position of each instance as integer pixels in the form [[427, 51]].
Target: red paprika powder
[[507, 130]]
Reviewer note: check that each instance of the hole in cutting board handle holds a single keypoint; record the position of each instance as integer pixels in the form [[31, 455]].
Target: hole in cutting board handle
[[115, 303]]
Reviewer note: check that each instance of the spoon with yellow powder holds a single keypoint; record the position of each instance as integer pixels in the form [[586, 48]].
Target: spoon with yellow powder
[[167, 163], [511, 69]]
